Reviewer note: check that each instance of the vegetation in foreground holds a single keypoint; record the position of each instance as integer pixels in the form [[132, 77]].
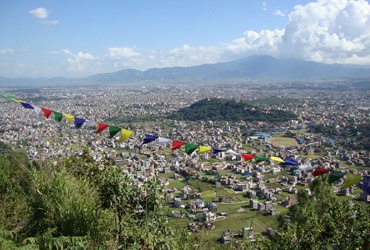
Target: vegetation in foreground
[[79, 204]]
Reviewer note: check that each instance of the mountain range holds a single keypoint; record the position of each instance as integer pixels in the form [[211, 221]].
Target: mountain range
[[250, 68]]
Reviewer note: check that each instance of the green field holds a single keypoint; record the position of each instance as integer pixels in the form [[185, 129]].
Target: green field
[[283, 141]]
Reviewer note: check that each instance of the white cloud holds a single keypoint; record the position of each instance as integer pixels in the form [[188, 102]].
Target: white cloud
[[123, 52], [279, 13], [6, 52], [79, 62], [41, 13], [328, 31]]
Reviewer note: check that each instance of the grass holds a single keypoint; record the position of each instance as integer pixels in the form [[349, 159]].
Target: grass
[[177, 184]]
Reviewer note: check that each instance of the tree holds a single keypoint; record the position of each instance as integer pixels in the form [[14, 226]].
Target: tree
[[321, 219]]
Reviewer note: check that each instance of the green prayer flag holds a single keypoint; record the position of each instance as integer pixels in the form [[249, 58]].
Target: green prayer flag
[[113, 131], [7, 95], [190, 148], [58, 116], [260, 158], [351, 179], [335, 175]]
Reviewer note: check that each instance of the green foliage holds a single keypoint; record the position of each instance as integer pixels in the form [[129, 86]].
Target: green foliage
[[79, 204], [229, 110], [321, 220]]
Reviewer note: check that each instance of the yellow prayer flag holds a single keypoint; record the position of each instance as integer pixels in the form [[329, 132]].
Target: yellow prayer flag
[[69, 117], [125, 134], [203, 149], [278, 159]]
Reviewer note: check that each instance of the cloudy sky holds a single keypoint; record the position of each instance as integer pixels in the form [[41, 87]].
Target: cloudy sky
[[77, 38]]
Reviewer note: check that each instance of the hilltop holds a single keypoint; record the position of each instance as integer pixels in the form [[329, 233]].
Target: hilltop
[[216, 109]]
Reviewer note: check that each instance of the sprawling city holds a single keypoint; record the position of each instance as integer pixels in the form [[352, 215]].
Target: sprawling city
[[219, 196]]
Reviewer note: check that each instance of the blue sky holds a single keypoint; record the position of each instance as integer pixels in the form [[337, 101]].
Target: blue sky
[[77, 38]]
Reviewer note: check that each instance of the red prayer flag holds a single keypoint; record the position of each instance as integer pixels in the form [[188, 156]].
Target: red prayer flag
[[47, 112], [101, 127], [247, 157], [319, 171], [176, 144]]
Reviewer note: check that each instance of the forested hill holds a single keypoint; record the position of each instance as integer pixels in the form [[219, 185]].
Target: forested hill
[[216, 109]]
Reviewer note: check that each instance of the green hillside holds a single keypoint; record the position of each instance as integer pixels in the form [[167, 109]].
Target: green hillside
[[216, 109]]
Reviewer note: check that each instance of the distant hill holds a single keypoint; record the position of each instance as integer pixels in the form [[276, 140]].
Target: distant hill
[[216, 109], [250, 68]]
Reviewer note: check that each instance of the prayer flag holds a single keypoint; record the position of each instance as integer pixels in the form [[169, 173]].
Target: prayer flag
[[36, 109], [306, 168], [366, 184], [89, 123], [176, 144], [335, 176], [47, 112], [69, 117], [26, 105], [7, 95], [261, 158], [58, 116], [101, 127], [319, 171], [217, 150], [351, 179], [113, 131], [125, 134], [247, 157], [278, 159], [190, 148], [290, 161], [79, 122], [232, 152], [203, 149], [162, 140], [149, 138]]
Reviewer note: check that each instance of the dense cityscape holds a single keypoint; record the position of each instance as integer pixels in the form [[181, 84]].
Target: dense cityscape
[[331, 131]]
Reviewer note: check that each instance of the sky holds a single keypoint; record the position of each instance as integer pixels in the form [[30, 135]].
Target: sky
[[78, 38]]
